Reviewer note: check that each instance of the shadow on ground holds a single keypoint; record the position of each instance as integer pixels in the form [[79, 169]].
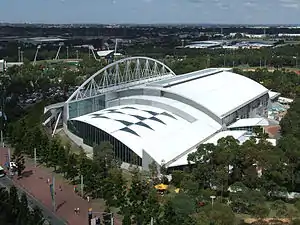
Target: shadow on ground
[[60, 205], [27, 173]]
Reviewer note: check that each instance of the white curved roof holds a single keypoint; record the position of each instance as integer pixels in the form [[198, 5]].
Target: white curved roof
[[236, 134], [168, 127], [162, 134], [220, 92]]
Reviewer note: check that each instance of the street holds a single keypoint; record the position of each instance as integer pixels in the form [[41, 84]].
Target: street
[[48, 214]]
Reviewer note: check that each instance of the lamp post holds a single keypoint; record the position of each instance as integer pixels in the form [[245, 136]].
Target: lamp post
[[36, 53], [212, 200], [19, 54], [2, 116], [22, 56], [67, 52]]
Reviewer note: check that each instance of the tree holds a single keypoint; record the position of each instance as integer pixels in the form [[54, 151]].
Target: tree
[[221, 214], [37, 217], [71, 169], [178, 177], [136, 198], [183, 204], [113, 189], [126, 219], [297, 205], [18, 158], [292, 213], [13, 202], [153, 169], [104, 155], [55, 153], [280, 208], [23, 215], [260, 211]]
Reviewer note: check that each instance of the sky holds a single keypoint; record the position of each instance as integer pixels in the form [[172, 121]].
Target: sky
[[151, 11]]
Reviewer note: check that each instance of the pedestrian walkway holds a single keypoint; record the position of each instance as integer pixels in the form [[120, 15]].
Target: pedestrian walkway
[[34, 181]]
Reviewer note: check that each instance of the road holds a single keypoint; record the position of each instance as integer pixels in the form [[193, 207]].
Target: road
[[48, 214]]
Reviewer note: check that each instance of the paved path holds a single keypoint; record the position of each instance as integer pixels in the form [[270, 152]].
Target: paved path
[[34, 181]]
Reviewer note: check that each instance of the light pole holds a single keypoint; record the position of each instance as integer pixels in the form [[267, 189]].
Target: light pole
[[36, 53], [19, 54], [212, 200], [22, 56], [2, 115], [59, 47], [67, 52]]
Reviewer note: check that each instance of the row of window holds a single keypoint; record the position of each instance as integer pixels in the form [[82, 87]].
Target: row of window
[[245, 111], [94, 136]]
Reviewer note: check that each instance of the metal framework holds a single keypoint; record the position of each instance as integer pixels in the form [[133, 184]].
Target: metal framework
[[122, 74]]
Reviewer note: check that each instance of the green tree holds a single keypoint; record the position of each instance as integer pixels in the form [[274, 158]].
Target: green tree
[[37, 217], [177, 178], [14, 202], [221, 214], [71, 169], [18, 158], [55, 152], [260, 211], [153, 169], [23, 215], [280, 208], [105, 156], [113, 190]]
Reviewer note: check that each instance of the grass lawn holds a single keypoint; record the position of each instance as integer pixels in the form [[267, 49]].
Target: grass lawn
[[272, 214], [65, 140]]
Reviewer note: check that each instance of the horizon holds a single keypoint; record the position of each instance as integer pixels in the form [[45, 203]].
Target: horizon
[[153, 24]]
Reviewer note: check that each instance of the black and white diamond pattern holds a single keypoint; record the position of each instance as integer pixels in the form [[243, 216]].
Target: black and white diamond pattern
[[140, 118]]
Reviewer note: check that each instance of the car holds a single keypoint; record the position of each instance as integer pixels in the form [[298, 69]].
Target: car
[[12, 165], [2, 172]]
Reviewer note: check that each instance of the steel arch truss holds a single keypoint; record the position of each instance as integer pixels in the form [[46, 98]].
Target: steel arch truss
[[122, 74]]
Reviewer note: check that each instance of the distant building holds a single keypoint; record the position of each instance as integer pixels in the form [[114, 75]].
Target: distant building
[[2, 65]]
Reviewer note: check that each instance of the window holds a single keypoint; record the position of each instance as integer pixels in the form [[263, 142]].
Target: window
[[93, 136]]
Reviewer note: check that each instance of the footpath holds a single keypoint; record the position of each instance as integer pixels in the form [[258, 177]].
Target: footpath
[[34, 181]]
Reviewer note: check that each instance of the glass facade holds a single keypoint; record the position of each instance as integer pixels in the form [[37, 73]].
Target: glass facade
[[258, 107], [85, 106], [94, 136]]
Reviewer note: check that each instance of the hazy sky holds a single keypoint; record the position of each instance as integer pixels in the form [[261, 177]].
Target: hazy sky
[[151, 11]]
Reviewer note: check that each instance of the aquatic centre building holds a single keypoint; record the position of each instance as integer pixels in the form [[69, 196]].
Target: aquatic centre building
[[148, 113]]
